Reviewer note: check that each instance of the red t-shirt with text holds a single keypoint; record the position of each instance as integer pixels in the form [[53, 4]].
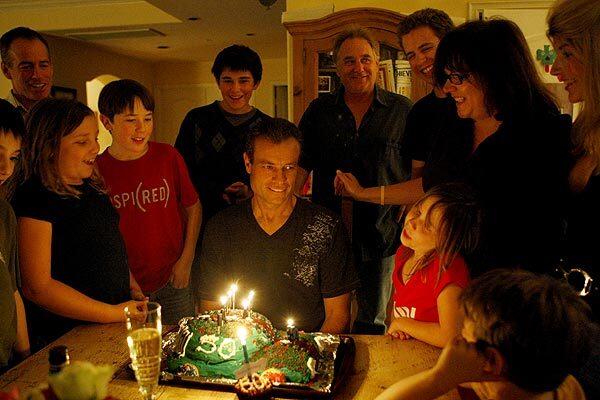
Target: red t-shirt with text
[[149, 194], [417, 298]]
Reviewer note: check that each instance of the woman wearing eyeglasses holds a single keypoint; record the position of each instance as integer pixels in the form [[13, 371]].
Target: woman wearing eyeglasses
[[510, 145]]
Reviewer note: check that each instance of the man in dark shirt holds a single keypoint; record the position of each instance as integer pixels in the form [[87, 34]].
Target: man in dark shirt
[[294, 254], [211, 138], [419, 35], [359, 128]]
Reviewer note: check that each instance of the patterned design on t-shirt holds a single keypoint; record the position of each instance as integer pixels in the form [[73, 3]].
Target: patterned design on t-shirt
[[315, 242]]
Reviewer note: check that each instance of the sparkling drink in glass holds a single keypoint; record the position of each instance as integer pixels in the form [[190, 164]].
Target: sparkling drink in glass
[[144, 331]]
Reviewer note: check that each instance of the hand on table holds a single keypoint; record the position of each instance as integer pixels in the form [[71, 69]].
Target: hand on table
[[395, 330], [137, 310], [346, 184], [236, 192]]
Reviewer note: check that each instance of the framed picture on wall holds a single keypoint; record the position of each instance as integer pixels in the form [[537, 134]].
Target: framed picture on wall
[[324, 84], [59, 92]]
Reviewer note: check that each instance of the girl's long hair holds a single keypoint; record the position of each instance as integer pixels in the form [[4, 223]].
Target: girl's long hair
[[460, 224], [577, 22], [48, 122]]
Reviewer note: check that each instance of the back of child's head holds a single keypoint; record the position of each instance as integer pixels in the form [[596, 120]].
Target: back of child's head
[[538, 324], [118, 97], [460, 222], [238, 58], [48, 122]]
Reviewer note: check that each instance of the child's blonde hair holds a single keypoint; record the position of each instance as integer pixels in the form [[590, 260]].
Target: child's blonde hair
[[460, 224], [48, 122]]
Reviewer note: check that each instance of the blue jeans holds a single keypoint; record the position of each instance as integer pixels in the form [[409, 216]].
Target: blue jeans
[[373, 295], [175, 303]]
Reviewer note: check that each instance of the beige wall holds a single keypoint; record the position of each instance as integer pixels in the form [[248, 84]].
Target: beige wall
[[172, 73], [77, 62], [454, 8]]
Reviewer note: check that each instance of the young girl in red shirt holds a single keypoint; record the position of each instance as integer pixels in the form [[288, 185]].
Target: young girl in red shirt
[[439, 231]]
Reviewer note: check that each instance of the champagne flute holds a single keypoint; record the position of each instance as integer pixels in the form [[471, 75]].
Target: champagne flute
[[144, 339]]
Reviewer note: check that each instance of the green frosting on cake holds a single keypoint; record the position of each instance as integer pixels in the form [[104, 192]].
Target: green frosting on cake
[[218, 353]]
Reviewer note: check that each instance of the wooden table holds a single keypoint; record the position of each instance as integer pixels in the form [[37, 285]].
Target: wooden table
[[379, 362]]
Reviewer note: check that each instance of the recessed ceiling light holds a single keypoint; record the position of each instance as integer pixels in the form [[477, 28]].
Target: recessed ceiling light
[[162, 46], [193, 18], [250, 34]]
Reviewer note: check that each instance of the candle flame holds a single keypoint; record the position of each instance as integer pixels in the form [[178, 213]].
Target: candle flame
[[290, 323], [246, 304], [223, 300], [242, 333], [251, 295], [234, 287]]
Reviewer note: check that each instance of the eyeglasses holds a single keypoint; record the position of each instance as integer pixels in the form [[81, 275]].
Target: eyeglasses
[[456, 78], [579, 279]]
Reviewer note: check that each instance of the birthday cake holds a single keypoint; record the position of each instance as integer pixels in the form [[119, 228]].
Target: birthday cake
[[239, 343]]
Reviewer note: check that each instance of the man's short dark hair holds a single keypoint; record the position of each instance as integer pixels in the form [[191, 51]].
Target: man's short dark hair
[[238, 58], [539, 325], [275, 130], [119, 96], [18, 33], [439, 22]]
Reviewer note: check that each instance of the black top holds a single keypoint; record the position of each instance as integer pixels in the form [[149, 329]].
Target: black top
[[582, 249], [584, 218], [212, 148], [292, 270], [520, 173], [372, 153], [428, 118], [88, 252]]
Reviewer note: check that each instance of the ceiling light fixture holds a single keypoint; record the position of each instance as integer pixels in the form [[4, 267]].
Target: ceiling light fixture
[[267, 3]]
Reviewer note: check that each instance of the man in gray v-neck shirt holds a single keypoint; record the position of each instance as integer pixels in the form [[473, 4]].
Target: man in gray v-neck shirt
[[295, 255]]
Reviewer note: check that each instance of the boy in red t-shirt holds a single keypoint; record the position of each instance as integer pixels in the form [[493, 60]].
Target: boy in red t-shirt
[[151, 189]]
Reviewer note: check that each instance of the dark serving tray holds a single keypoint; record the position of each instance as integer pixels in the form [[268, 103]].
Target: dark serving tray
[[343, 364]]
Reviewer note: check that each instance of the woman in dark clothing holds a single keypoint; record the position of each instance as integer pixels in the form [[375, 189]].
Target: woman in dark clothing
[[510, 146], [574, 28]]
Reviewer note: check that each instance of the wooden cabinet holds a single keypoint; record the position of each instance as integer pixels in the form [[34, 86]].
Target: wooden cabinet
[[312, 40]]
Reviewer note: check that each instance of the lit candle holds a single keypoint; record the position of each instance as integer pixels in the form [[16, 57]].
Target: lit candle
[[242, 333], [233, 289], [246, 306], [292, 331], [224, 300]]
